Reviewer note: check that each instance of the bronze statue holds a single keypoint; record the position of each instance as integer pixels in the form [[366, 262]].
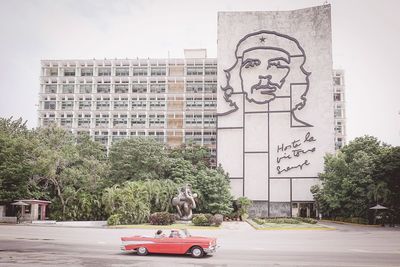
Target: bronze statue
[[185, 202]]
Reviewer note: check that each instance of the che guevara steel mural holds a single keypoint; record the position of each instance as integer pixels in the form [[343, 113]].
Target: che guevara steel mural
[[269, 72]]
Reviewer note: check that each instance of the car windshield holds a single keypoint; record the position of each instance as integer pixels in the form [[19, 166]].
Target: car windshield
[[182, 233]]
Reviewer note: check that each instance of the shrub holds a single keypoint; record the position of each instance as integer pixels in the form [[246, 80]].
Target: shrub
[[114, 219], [200, 220], [162, 218], [363, 221], [354, 220], [218, 219], [340, 219], [285, 220], [281, 220], [210, 218], [259, 221], [243, 204], [307, 220]]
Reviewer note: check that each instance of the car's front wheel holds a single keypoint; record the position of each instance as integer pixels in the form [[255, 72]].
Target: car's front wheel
[[142, 251], [197, 252]]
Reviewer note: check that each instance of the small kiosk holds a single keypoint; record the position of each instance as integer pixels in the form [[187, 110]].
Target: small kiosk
[[32, 209]]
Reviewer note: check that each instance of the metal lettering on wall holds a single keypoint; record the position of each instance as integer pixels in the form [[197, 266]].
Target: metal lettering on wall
[[268, 77]]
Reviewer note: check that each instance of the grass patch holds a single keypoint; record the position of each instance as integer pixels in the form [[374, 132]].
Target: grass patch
[[260, 224], [171, 226]]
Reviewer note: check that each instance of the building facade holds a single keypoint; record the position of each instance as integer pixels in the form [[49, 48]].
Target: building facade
[[172, 100], [71, 96], [275, 108], [272, 149], [339, 108]]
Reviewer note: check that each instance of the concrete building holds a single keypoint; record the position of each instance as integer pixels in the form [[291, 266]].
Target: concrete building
[[272, 148], [275, 108], [172, 100], [67, 99], [339, 108]]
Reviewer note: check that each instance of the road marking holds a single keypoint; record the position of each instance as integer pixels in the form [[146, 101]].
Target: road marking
[[359, 250]]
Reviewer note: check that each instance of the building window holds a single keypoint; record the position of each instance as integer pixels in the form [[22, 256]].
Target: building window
[[50, 105], [85, 104], [53, 71], [210, 103], [158, 135], [194, 88], [158, 71], [209, 120], [50, 89], [101, 137], [139, 104], [209, 138], [121, 120], [157, 103], [139, 88], [122, 72], [194, 102], [84, 120], [193, 70], [69, 72], [68, 89], [139, 72], [66, 122], [193, 137], [210, 88], [103, 88], [104, 72], [193, 119], [67, 105], [121, 88], [138, 120], [103, 104], [157, 120], [210, 70], [87, 72], [157, 88], [337, 81], [121, 104], [102, 120], [85, 88]]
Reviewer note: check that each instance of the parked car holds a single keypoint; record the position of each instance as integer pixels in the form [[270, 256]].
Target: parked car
[[177, 242]]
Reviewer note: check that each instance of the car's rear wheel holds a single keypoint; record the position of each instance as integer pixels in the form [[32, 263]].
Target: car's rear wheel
[[142, 251], [197, 252]]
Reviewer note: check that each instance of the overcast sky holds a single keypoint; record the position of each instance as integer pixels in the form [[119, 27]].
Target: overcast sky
[[366, 44]]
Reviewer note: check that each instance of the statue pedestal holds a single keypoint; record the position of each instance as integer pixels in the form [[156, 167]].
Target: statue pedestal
[[183, 222]]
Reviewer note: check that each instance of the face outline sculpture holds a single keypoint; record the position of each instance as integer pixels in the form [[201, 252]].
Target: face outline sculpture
[[267, 65], [263, 72]]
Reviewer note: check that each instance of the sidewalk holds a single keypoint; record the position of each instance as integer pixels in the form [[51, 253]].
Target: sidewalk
[[237, 225]]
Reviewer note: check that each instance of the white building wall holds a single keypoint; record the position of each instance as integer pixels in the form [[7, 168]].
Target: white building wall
[[274, 103]]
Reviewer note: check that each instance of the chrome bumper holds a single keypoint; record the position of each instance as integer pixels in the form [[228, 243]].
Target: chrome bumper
[[210, 250], [122, 247]]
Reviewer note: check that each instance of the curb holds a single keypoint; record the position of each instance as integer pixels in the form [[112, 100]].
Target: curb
[[323, 228], [349, 223], [155, 227]]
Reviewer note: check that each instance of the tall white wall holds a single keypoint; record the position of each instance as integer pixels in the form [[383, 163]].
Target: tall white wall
[[274, 104]]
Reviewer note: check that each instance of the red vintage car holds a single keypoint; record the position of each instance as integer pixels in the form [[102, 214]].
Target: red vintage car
[[177, 242]]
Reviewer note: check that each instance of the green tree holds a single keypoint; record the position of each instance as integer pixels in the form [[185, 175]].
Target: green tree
[[350, 183], [387, 174], [134, 201], [198, 155], [70, 172], [16, 164], [138, 159], [214, 192]]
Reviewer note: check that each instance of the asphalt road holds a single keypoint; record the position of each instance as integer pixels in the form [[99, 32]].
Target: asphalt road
[[239, 244]]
